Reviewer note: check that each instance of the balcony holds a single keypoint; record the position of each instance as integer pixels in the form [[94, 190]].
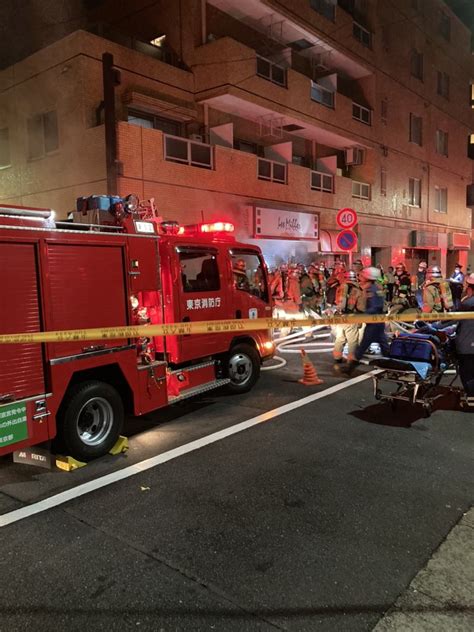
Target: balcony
[[171, 163], [188, 152], [163, 54]]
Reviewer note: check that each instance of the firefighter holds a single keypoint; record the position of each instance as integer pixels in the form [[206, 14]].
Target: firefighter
[[293, 287], [402, 291], [465, 346], [374, 304], [276, 285], [456, 282], [437, 295], [336, 278], [418, 282], [239, 270], [349, 300]]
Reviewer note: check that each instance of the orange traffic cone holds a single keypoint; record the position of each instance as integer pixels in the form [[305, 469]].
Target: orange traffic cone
[[310, 376]]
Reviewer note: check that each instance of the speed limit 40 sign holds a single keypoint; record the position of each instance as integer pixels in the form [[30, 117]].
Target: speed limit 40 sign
[[346, 218]]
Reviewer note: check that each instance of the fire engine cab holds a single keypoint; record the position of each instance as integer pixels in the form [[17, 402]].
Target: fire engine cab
[[115, 263]]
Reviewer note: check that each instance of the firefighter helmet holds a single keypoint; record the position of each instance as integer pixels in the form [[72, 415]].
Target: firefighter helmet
[[371, 273], [433, 272], [470, 280], [350, 275]]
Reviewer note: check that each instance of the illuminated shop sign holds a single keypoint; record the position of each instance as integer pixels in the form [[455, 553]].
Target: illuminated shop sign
[[273, 223]]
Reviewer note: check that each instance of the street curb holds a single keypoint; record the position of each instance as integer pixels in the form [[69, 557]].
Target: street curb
[[441, 596]]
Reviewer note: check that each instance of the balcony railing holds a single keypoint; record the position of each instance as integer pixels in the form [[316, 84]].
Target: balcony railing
[[118, 37], [322, 181], [188, 152], [270, 71], [272, 171], [322, 95]]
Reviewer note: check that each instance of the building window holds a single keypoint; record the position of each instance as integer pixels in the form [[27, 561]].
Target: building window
[[416, 129], [470, 150], [443, 84], [442, 142], [414, 192], [361, 113], [270, 71], [322, 95], [43, 137], [326, 8], [4, 148], [189, 152], [322, 182], [362, 34], [444, 28], [384, 111], [271, 170], [416, 64], [360, 190], [441, 200], [149, 121], [383, 181]]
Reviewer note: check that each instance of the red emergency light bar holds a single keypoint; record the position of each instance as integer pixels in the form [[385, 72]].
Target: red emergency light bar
[[214, 227], [217, 227]]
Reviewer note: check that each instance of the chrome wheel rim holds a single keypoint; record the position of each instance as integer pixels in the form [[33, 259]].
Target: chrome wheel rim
[[95, 421], [240, 369]]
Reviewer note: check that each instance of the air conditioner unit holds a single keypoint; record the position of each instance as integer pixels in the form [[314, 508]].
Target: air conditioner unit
[[354, 156], [198, 137]]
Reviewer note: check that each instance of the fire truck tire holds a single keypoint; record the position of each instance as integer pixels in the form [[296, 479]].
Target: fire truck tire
[[243, 368], [91, 420]]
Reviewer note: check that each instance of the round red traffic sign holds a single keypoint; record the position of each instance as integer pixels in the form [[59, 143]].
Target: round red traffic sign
[[346, 218], [346, 240]]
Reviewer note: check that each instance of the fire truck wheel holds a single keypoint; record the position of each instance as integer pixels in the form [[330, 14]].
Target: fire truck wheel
[[91, 420], [243, 368]]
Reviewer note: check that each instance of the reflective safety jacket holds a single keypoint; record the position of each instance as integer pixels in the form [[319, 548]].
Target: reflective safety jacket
[[349, 298], [437, 297]]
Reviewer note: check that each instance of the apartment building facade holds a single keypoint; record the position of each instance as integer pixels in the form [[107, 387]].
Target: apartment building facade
[[270, 114]]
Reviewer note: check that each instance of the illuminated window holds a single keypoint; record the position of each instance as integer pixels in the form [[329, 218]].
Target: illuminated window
[[158, 41]]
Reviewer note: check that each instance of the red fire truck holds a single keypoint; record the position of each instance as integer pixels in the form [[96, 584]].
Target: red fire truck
[[127, 268]]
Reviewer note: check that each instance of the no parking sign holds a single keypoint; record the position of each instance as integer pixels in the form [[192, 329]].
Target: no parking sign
[[347, 240]]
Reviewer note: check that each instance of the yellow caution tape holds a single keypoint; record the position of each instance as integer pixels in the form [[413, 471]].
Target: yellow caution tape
[[219, 326]]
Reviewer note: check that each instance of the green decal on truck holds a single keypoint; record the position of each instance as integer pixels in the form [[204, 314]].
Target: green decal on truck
[[13, 424]]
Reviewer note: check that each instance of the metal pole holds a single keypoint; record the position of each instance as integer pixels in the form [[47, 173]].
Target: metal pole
[[108, 79]]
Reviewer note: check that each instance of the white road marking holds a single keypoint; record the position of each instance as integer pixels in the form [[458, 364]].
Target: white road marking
[[142, 466]]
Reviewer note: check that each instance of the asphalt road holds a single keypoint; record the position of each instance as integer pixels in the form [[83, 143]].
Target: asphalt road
[[316, 519]]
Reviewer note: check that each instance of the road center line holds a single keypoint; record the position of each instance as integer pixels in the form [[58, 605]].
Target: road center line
[[142, 466]]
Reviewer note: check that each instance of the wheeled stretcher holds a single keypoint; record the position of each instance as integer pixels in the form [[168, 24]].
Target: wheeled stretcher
[[416, 364]]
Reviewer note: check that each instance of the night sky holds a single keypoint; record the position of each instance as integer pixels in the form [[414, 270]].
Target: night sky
[[465, 10]]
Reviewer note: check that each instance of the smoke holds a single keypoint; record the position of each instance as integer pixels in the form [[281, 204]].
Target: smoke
[[278, 251]]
